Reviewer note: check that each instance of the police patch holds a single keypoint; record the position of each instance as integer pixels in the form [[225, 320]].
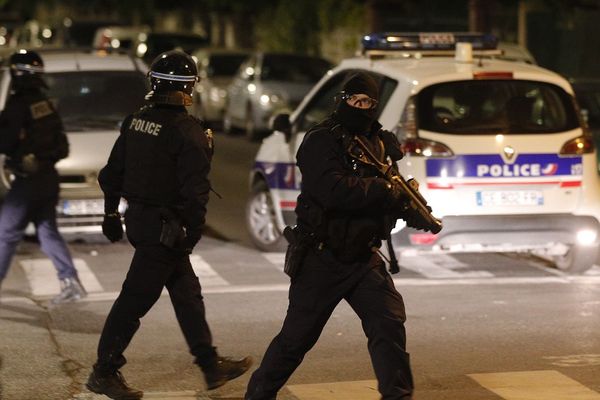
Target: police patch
[[41, 109]]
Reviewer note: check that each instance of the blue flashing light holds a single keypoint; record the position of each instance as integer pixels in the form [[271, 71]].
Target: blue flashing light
[[427, 41]]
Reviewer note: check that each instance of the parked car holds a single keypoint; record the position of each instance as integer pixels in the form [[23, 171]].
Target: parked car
[[152, 44], [267, 82], [498, 148], [34, 34], [588, 96], [216, 68], [93, 93]]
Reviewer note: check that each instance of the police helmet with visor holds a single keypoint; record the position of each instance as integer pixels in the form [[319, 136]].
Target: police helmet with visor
[[172, 76], [26, 69]]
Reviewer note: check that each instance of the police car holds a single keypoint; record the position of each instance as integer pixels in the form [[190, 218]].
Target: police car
[[94, 92], [499, 149]]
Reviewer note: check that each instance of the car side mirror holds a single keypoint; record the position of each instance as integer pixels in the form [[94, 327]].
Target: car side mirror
[[281, 123]]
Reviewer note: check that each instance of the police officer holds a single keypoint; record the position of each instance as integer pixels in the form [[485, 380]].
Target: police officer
[[341, 212], [33, 140], [159, 164]]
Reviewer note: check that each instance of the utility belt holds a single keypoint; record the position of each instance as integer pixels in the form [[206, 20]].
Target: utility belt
[[301, 242], [172, 232]]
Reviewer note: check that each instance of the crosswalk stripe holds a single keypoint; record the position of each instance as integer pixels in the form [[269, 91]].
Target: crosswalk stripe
[[363, 390], [437, 267], [41, 275], [207, 275], [181, 395], [277, 259], [534, 385]]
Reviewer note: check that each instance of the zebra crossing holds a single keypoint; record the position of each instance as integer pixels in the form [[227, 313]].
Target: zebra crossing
[[518, 385], [441, 269], [444, 269]]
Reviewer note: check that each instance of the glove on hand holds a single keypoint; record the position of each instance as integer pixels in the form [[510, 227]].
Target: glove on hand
[[112, 228]]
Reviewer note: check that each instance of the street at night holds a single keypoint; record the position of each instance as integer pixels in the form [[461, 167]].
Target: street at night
[[480, 326]]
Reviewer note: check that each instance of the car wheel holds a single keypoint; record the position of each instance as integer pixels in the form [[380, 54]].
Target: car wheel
[[577, 259], [261, 220], [250, 125]]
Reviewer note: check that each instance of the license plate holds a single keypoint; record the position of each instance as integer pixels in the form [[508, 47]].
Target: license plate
[[83, 207], [510, 198]]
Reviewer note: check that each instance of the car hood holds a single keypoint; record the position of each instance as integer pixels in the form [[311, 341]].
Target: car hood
[[88, 151]]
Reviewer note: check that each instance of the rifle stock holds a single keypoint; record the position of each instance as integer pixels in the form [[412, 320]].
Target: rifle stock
[[416, 204]]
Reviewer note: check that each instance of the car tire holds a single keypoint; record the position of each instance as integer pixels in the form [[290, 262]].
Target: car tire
[[261, 221], [577, 259]]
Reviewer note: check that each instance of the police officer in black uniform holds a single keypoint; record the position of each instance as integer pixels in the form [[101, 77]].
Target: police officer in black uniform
[[341, 213], [33, 140], [160, 165]]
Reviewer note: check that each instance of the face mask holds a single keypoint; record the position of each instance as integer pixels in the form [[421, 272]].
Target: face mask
[[356, 120]]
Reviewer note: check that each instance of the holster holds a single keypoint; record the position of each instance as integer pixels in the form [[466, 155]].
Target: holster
[[172, 232], [298, 245]]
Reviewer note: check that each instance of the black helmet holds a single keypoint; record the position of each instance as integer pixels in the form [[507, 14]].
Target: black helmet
[[26, 69], [172, 75], [24, 63]]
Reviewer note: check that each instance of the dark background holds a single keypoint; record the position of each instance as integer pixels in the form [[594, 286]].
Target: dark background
[[561, 34]]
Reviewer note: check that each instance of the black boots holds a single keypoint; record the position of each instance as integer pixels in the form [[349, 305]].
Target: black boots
[[217, 373], [224, 369], [112, 385]]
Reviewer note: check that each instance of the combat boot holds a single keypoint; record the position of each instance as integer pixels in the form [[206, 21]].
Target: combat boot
[[223, 369], [112, 385], [70, 290]]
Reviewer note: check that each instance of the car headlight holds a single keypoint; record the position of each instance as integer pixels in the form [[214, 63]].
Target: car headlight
[[267, 99]]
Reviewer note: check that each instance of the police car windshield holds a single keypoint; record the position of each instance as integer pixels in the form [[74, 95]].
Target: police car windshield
[[91, 100], [493, 106], [293, 68]]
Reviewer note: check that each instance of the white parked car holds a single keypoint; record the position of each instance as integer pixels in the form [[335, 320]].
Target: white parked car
[[93, 93], [498, 147]]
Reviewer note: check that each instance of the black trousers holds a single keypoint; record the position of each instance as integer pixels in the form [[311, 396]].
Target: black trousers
[[153, 267], [321, 284]]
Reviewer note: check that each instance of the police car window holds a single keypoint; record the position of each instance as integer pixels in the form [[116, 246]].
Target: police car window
[[323, 103], [493, 106], [96, 99]]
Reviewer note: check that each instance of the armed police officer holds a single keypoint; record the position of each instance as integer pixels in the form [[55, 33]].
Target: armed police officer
[[33, 140], [342, 215], [160, 165]]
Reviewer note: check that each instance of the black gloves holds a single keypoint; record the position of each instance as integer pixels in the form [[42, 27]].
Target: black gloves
[[112, 228]]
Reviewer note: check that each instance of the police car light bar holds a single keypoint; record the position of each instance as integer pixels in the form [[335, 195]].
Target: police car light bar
[[427, 41]]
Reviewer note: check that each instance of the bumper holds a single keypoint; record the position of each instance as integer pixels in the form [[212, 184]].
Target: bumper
[[507, 231]]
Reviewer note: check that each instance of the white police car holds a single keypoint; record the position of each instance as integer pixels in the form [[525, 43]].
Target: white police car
[[498, 147]]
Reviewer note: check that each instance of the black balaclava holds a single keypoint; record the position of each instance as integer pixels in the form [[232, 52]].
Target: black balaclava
[[357, 120]]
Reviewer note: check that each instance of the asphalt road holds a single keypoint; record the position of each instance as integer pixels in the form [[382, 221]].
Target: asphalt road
[[480, 326]]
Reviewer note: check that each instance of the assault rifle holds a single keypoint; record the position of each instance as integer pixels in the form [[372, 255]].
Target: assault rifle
[[418, 214]]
